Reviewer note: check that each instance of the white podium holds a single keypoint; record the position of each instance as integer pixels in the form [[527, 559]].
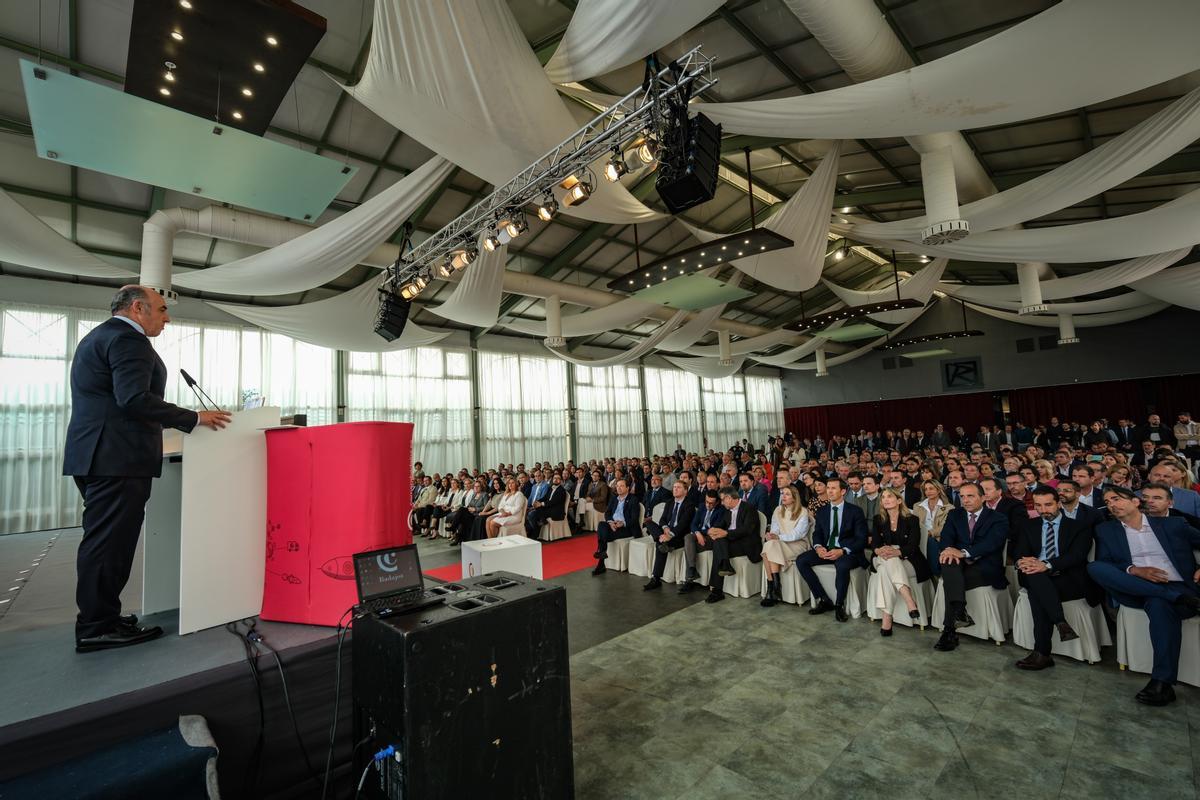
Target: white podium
[[205, 531], [509, 553]]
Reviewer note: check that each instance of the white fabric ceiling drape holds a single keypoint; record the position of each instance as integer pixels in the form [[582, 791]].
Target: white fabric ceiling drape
[[606, 34], [742, 347], [328, 251], [632, 354], [853, 354], [796, 353], [1167, 227], [707, 367], [1100, 280], [344, 322], [587, 323], [695, 328], [1062, 59], [29, 242], [476, 299], [1180, 286], [1109, 165], [918, 286], [803, 218], [1119, 302], [1081, 321], [459, 77]]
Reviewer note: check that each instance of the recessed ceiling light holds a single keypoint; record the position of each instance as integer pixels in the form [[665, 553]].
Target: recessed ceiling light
[[271, 40], [185, 4], [169, 77], [177, 36], [164, 91], [237, 115], [259, 67], [247, 91], [845, 209]]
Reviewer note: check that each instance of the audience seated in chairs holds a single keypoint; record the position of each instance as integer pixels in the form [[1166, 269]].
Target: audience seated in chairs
[[1147, 562], [897, 543], [973, 544], [462, 521], [839, 538], [787, 539], [1051, 553], [622, 520], [712, 515], [550, 505], [671, 529], [510, 510], [741, 536], [423, 505]]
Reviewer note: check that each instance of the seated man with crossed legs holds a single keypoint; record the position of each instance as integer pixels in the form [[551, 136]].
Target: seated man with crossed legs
[[670, 530], [839, 538]]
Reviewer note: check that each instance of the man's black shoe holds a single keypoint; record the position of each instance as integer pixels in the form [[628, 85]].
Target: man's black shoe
[[821, 607], [688, 587], [600, 555], [1190, 602], [715, 597], [654, 583], [725, 568], [839, 612], [121, 636], [962, 619], [600, 569], [128, 619], [947, 642], [1157, 693]]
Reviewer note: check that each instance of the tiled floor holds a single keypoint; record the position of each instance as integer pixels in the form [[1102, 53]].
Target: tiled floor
[[731, 700]]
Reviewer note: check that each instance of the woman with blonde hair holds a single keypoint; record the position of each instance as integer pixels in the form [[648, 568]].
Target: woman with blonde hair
[[510, 510], [787, 538], [1046, 475], [932, 510], [897, 555]]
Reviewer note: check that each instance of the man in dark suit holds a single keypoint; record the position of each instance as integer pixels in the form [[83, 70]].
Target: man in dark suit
[[1147, 562], [987, 440], [656, 495], [1126, 435], [1154, 431], [551, 506], [995, 499], [752, 492], [972, 555], [113, 450], [1051, 555], [741, 536], [839, 538], [670, 530], [709, 515], [622, 520]]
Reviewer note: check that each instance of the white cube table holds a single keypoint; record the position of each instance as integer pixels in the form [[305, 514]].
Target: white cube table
[[509, 553]]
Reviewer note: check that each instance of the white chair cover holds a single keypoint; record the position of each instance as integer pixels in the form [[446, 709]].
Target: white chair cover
[[856, 596], [1087, 621], [641, 549], [676, 567], [1135, 652], [618, 555], [992, 610], [792, 587], [553, 530]]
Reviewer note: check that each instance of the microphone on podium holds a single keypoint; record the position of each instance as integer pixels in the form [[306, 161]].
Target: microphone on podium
[[201, 395]]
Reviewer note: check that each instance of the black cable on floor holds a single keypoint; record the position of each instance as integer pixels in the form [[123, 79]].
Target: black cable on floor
[[292, 714], [337, 686], [253, 769]]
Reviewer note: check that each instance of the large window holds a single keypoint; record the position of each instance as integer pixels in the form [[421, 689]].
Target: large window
[[724, 411], [673, 409], [428, 387], [608, 412], [764, 401], [523, 408]]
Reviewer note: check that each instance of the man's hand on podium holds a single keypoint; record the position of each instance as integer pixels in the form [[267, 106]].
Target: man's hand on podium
[[213, 419]]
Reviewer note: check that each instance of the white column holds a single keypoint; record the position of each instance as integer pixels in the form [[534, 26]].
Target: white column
[[822, 370], [724, 348], [1066, 330], [554, 337], [941, 198], [1031, 288]]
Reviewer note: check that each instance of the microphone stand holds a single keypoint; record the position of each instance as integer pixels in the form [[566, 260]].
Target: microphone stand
[[197, 390]]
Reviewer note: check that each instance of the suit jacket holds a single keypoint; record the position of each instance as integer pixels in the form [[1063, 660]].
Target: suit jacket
[[985, 547], [659, 495], [598, 493], [1178, 540], [117, 407], [940, 440], [718, 519], [757, 497], [1126, 437], [746, 537], [1165, 435], [632, 513], [852, 528], [1069, 567], [869, 508], [683, 523], [907, 537], [1017, 514], [555, 503], [988, 441], [1186, 500]]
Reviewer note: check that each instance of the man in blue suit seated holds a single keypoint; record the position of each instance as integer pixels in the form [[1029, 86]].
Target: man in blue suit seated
[[710, 515], [752, 492], [1147, 562], [973, 542], [1182, 498], [839, 539], [622, 520]]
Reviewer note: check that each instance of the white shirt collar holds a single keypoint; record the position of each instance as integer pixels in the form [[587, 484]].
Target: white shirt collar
[[134, 323]]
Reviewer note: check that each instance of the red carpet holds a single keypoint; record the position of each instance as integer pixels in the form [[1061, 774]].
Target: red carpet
[[558, 558]]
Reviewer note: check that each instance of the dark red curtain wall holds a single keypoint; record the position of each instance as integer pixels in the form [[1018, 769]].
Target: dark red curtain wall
[[1083, 402]]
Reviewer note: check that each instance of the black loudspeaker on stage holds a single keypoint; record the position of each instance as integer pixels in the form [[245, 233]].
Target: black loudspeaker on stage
[[392, 316], [470, 698], [688, 174]]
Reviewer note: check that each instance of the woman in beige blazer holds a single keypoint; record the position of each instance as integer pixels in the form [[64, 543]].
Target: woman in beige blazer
[[932, 511]]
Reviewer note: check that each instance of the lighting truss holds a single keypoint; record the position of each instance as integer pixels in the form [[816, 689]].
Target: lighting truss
[[703, 256], [643, 109]]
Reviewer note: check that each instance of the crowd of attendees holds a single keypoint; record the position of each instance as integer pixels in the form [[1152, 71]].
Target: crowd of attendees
[[1080, 512]]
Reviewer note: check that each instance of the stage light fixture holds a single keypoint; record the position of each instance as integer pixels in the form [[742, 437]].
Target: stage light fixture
[[410, 290], [648, 151], [547, 208], [516, 224], [578, 194], [615, 168], [491, 242], [444, 269], [463, 257]]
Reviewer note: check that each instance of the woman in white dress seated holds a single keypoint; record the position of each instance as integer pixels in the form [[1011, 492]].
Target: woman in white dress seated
[[510, 511], [788, 537], [897, 542]]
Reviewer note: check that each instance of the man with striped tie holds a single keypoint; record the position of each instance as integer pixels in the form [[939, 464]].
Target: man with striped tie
[[1051, 555], [972, 555], [670, 530]]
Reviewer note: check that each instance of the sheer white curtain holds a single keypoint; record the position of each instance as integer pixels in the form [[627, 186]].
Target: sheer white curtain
[[523, 408], [36, 347], [673, 409], [427, 386], [724, 411], [608, 414], [764, 401]]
